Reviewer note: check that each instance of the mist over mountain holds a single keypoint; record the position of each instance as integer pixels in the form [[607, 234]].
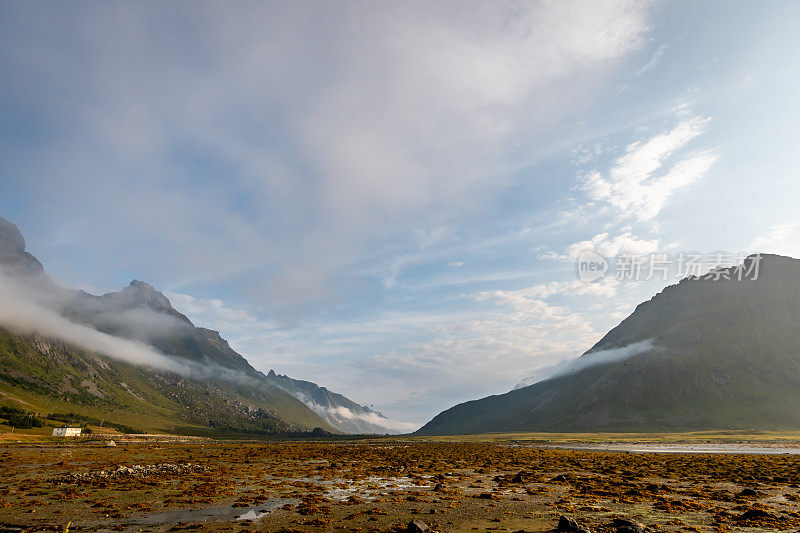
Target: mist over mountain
[[721, 353], [339, 411], [131, 357]]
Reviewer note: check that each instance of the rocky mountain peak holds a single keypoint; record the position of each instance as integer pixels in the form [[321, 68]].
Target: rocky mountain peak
[[141, 295], [11, 239], [144, 294], [12, 252]]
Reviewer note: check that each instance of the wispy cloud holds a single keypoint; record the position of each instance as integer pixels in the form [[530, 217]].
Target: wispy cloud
[[577, 364], [635, 188], [655, 59], [212, 313], [260, 161], [624, 244], [780, 239], [606, 288]]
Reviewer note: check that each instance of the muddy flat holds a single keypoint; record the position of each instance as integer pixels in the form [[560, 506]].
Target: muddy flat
[[383, 485]]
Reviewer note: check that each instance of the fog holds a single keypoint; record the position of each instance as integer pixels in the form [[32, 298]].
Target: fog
[[337, 415], [587, 360], [28, 308]]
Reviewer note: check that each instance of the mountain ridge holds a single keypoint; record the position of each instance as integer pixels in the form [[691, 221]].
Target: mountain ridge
[[725, 355], [217, 389]]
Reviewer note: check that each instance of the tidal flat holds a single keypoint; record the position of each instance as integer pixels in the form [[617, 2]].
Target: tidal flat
[[384, 484]]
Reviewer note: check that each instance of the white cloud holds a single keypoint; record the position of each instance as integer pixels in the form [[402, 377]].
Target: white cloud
[[211, 313], [280, 144], [780, 239], [632, 186], [655, 59], [624, 244], [470, 358], [550, 254], [29, 309], [577, 364], [605, 288], [280, 133], [341, 414]]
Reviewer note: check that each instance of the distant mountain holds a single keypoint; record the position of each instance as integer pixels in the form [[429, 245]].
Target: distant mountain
[[720, 354], [212, 387], [338, 411]]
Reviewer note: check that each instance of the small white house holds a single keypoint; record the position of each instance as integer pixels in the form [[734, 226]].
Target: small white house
[[66, 432]]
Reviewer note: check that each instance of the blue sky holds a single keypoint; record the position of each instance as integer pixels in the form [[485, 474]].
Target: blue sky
[[388, 198]]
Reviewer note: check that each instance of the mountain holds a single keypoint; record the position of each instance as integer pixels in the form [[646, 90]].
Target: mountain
[[130, 359], [142, 313], [338, 411], [720, 354], [13, 256]]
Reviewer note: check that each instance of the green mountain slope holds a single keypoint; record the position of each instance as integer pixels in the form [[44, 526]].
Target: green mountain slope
[[45, 376], [725, 355], [218, 390]]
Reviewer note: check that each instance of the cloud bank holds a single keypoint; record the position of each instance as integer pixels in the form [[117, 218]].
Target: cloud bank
[[587, 360], [353, 422], [25, 309]]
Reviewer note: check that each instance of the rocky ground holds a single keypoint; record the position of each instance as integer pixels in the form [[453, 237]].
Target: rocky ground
[[388, 485]]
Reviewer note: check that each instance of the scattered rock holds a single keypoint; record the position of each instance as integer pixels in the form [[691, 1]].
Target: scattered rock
[[560, 477], [417, 526], [754, 514], [569, 525], [624, 525], [110, 443], [750, 493], [566, 523], [519, 477], [135, 471]]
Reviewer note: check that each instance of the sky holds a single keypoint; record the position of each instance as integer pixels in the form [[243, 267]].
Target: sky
[[391, 199]]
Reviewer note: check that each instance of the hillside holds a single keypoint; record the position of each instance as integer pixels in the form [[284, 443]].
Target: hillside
[[45, 376], [725, 355], [156, 371]]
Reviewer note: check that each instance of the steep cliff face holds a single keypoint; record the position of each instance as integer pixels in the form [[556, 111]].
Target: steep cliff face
[[725, 355]]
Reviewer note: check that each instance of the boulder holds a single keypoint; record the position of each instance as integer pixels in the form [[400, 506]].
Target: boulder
[[417, 526], [566, 523], [570, 525], [624, 525]]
